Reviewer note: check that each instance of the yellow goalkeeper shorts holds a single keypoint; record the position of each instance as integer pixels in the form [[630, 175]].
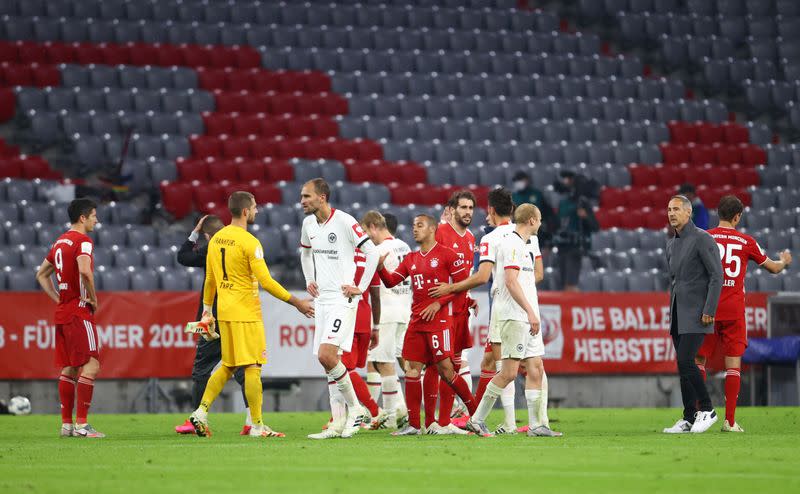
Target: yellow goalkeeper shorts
[[243, 343]]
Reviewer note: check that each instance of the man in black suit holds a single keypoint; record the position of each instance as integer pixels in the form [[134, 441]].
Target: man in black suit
[[695, 272], [208, 353]]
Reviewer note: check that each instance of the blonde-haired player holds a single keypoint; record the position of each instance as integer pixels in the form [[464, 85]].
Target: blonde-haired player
[[516, 311], [234, 268]]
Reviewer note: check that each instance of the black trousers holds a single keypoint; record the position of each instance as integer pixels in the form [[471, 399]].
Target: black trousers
[[207, 356], [693, 388]]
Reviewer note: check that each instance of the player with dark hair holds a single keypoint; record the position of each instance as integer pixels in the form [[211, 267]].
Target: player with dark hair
[[730, 330], [208, 352], [428, 339], [234, 263], [391, 223], [71, 259]]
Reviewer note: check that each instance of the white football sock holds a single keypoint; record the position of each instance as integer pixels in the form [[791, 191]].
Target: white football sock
[[248, 419], [487, 402], [374, 385], [338, 410], [400, 401], [534, 398], [390, 386], [340, 375], [545, 420], [507, 399], [465, 372]]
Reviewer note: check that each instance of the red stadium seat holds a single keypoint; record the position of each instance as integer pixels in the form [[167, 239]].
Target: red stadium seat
[[299, 127], [642, 175], [702, 155], [368, 150], [114, 54], [266, 80], [682, 132], [177, 198], [271, 126], [196, 56], [361, 171], [246, 57], [232, 101], [60, 52], [335, 104], [88, 53], [249, 170], [218, 123], [192, 169], [245, 125], [411, 174], [234, 147], [278, 170], [10, 52], [316, 148], [8, 104], [204, 146], [402, 194], [290, 148], [37, 167], [267, 193], [611, 197], [709, 133], [10, 167], [735, 133], [634, 218], [609, 218], [265, 148], [718, 176], [46, 75], [655, 219], [753, 155], [220, 56], [238, 79], [290, 81], [211, 79], [636, 197], [219, 210], [17, 75], [205, 193], [481, 194], [674, 154], [316, 82], [342, 150], [325, 127], [746, 177], [168, 55], [219, 170], [147, 54], [29, 52], [283, 103], [728, 154]]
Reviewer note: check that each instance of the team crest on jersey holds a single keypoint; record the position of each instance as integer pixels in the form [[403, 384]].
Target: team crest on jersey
[[332, 238], [434, 262]]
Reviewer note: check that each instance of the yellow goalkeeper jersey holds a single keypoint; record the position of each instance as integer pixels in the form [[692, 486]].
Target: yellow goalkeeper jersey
[[234, 268]]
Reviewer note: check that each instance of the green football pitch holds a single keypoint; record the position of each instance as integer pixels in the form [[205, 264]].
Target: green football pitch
[[603, 450]]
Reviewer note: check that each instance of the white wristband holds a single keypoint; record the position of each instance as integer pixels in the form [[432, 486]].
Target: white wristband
[[194, 236], [207, 308]]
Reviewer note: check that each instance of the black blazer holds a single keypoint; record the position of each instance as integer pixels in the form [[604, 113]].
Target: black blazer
[[191, 256]]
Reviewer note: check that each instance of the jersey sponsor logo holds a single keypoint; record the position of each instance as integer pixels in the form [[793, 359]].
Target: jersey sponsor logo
[[332, 238], [457, 263], [357, 228], [484, 248]]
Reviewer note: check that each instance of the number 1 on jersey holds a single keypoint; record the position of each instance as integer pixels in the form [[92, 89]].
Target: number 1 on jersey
[[224, 271]]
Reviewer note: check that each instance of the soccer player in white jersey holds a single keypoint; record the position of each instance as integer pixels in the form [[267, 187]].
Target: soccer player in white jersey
[[329, 239], [395, 314], [516, 321]]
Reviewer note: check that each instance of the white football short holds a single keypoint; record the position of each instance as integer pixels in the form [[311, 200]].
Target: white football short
[[494, 330], [335, 325], [390, 342], [516, 341]]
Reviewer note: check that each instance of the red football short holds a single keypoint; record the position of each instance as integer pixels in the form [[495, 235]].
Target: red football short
[[356, 358], [732, 335], [76, 342], [428, 347], [462, 338]]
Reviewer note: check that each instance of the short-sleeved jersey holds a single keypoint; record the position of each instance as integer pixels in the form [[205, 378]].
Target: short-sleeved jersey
[[735, 250], [395, 301], [364, 311], [234, 267], [464, 246], [492, 241], [515, 253], [63, 255], [426, 270], [333, 246]]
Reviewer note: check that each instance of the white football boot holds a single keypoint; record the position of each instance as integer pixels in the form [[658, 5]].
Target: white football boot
[[352, 423], [726, 427], [680, 427], [703, 421]]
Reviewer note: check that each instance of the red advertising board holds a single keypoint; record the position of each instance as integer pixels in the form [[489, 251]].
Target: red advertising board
[[140, 335]]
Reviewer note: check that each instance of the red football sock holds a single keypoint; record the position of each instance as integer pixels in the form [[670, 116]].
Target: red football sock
[[459, 385], [702, 371], [362, 393], [486, 376], [413, 400], [733, 381], [85, 390], [447, 397], [430, 386], [66, 394]]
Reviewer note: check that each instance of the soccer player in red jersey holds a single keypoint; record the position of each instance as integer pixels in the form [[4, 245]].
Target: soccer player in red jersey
[[77, 352], [454, 234], [365, 338], [730, 331], [428, 340]]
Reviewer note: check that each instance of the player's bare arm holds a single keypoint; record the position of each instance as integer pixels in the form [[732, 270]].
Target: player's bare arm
[[538, 270], [783, 262], [43, 276], [429, 312], [477, 279], [375, 304], [87, 277], [515, 290]]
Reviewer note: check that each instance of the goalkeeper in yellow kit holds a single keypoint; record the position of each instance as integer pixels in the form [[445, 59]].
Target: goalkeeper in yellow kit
[[234, 268]]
